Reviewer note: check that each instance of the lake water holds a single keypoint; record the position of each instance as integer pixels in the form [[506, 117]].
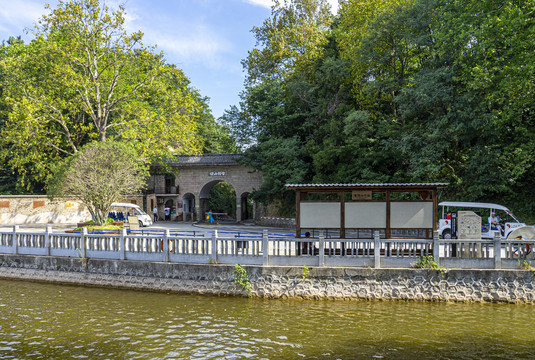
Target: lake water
[[43, 321]]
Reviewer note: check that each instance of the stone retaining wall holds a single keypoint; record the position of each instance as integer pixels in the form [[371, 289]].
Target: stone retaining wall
[[516, 286]]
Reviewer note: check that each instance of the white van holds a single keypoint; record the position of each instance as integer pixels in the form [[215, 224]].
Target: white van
[[121, 212], [508, 221]]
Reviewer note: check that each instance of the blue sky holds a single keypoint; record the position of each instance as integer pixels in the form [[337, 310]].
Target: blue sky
[[206, 38]]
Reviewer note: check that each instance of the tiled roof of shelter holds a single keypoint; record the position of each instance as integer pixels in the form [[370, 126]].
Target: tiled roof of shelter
[[209, 159], [384, 186]]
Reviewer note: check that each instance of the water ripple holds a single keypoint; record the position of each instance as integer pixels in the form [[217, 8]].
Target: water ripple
[[43, 321]]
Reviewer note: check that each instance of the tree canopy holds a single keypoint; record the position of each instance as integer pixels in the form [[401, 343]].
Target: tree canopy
[[84, 78], [396, 91]]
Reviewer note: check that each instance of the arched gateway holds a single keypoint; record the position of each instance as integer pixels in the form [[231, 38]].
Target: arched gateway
[[187, 193]]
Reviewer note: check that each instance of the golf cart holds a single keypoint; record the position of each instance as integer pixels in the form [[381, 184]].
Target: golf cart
[[507, 221]]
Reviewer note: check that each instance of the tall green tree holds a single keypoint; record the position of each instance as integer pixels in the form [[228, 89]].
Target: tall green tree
[[289, 40], [399, 91], [85, 78], [493, 43], [288, 44], [357, 20]]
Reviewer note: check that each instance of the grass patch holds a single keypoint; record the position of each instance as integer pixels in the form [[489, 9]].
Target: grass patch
[[97, 228]]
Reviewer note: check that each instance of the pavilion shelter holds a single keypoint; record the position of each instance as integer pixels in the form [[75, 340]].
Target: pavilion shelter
[[396, 210]]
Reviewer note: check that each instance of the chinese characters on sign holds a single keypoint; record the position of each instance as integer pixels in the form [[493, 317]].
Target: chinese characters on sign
[[469, 225], [361, 195], [217, 173]]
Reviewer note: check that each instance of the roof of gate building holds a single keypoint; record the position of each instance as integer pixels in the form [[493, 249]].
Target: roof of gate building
[[209, 159]]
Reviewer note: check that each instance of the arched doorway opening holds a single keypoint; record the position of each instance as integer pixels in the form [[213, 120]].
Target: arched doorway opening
[[247, 206], [169, 210], [219, 197], [188, 207]]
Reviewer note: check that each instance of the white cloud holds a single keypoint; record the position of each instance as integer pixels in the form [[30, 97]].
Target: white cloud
[[182, 42], [269, 3], [15, 16], [263, 3], [198, 45]]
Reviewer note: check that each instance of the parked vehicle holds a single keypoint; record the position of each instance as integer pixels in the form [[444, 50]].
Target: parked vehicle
[[121, 212], [507, 220]]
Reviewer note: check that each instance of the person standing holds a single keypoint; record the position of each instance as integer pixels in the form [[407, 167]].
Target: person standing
[[210, 217], [167, 214], [155, 212]]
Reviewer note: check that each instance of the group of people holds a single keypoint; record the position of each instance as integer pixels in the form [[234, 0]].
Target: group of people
[[167, 213]]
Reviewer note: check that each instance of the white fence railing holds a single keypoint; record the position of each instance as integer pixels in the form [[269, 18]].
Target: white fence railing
[[265, 250]]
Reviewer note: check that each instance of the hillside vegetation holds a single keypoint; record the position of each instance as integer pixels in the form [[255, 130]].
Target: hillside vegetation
[[394, 91]]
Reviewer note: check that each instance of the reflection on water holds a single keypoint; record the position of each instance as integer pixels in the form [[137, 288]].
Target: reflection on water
[[42, 321]]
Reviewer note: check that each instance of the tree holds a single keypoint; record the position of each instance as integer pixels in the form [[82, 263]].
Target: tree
[[214, 137], [289, 40], [269, 121], [492, 47], [356, 21], [223, 199], [98, 175], [84, 78], [396, 91]]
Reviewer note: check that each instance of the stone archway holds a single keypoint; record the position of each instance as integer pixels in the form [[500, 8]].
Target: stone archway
[[204, 197], [196, 175]]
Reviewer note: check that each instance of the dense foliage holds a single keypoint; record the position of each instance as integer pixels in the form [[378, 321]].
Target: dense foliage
[[83, 78], [394, 91], [223, 199]]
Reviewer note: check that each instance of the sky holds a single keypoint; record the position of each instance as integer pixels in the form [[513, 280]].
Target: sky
[[205, 38]]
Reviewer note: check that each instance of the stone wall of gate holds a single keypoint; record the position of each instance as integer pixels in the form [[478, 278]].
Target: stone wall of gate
[[509, 286], [193, 178], [242, 179]]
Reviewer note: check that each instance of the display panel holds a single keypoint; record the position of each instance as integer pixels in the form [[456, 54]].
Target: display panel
[[320, 215]]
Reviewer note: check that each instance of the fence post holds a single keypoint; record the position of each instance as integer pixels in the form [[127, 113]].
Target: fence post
[[48, 231], [214, 246], [321, 248], [122, 255], [265, 248], [377, 249], [436, 247], [497, 251], [166, 246], [82, 242], [15, 243]]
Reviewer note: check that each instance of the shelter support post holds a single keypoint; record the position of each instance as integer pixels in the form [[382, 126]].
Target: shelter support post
[[298, 213], [342, 217], [388, 232]]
